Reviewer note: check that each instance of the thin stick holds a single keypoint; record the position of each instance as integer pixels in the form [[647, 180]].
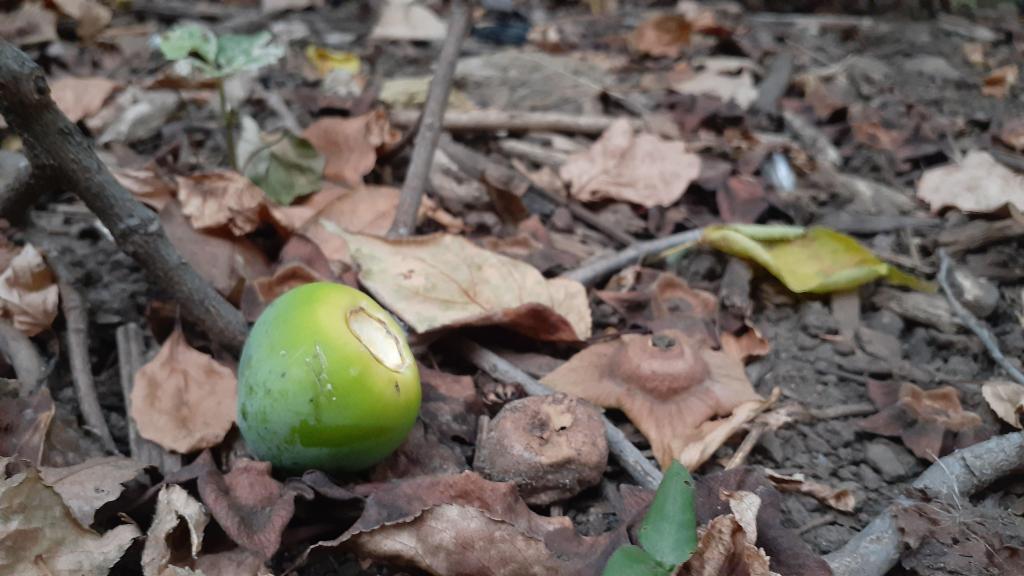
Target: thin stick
[[604, 267], [430, 127], [59, 152], [979, 328], [516, 121], [751, 440], [23, 356], [632, 460]]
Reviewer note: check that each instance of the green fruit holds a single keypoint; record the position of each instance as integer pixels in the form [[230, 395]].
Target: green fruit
[[326, 381]]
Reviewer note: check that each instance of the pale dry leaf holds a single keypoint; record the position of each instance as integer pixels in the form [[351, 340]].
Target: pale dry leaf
[[40, 537], [134, 115], [663, 35], [294, 216], [220, 199], [408, 20], [1006, 399], [444, 281], [80, 98], [730, 79], [841, 499], [669, 384], [978, 185], [147, 186], [91, 16], [28, 292], [999, 81], [31, 23], [364, 209], [638, 168], [695, 448], [173, 506], [87, 486], [350, 145], [183, 400], [727, 546]]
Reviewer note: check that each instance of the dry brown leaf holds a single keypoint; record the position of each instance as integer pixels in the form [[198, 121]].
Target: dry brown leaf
[[999, 81], [91, 484], [31, 23], [1006, 399], [701, 444], [639, 168], [92, 16], [449, 525], [24, 424], [237, 562], [839, 498], [930, 422], [444, 281], [147, 186], [28, 292], [1012, 134], [727, 78], [668, 384], [183, 400], [451, 404], [979, 185], [219, 199], [294, 216], [350, 145], [80, 98], [663, 35], [265, 290], [365, 210], [727, 546], [40, 537], [160, 555]]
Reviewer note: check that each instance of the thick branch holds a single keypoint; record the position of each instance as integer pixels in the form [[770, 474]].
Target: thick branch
[[59, 151], [430, 126]]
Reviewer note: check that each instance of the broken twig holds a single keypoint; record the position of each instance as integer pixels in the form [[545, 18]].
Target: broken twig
[[516, 121], [430, 125], [601, 268]]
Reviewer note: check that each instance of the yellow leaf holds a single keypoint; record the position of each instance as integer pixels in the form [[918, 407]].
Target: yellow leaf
[[326, 60]]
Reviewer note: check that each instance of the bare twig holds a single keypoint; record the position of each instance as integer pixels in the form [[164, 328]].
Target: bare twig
[[748, 444], [430, 126], [979, 328], [131, 357], [16, 186], [59, 151], [604, 267], [876, 549], [23, 356], [516, 121], [632, 460], [536, 153], [843, 411]]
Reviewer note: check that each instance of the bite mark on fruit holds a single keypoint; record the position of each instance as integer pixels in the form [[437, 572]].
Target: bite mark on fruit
[[378, 339]]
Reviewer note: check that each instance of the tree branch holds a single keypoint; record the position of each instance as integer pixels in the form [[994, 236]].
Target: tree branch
[[59, 152]]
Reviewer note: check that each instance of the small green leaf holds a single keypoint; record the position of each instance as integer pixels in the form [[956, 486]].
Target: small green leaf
[[669, 529], [183, 41], [633, 561], [238, 52], [285, 166]]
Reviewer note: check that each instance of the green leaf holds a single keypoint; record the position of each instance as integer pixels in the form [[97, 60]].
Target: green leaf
[[183, 41], [669, 529], [633, 561], [238, 52], [285, 166], [816, 260]]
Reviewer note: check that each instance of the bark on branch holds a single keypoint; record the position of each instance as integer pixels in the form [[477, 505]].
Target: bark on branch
[[59, 151]]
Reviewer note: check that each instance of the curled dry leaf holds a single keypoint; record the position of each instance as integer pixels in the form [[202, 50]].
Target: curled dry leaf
[[978, 185], [89, 485], [183, 400], [1006, 399], [669, 384], [160, 556], [663, 35], [28, 292], [841, 499], [449, 525], [220, 199], [147, 186], [703, 442], [444, 281], [728, 78], [639, 168], [40, 537], [999, 81], [80, 98], [265, 290], [350, 145], [408, 20], [727, 546], [929, 422]]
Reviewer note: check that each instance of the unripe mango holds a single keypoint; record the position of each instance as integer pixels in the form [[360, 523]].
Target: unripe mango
[[326, 381]]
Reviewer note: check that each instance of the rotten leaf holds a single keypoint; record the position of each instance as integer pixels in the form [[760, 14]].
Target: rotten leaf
[[220, 199], [88, 486], [841, 499], [28, 292], [165, 554]]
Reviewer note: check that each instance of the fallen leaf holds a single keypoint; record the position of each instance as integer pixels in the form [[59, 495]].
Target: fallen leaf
[[408, 20], [80, 98], [727, 546], [663, 35], [978, 185], [929, 422], [31, 23], [286, 167], [326, 60], [28, 292], [162, 555], [999, 81], [702, 443], [24, 424], [1006, 399], [423, 453], [86, 487], [816, 259], [91, 16], [237, 562], [451, 405], [147, 186], [727, 78], [183, 400], [839, 498], [295, 216], [741, 199], [134, 115], [40, 537], [444, 281], [350, 145], [974, 52], [639, 168], [665, 302], [449, 525], [668, 384], [220, 199], [265, 290], [1012, 134]]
